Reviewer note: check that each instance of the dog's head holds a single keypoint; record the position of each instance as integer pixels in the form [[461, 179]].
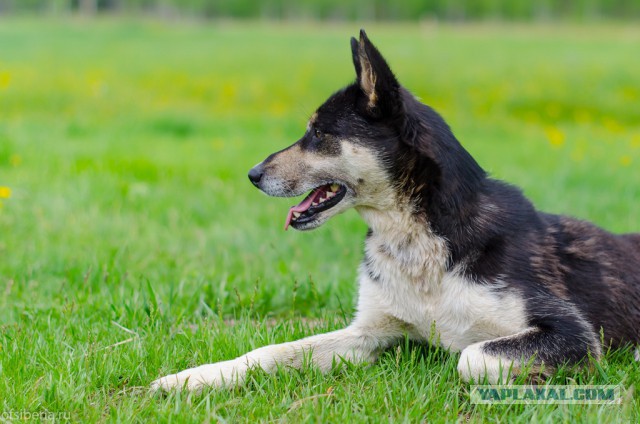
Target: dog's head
[[341, 156], [360, 148]]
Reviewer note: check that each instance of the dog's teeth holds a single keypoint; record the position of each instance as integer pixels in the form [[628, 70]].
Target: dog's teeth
[[322, 199], [330, 194], [296, 214], [314, 204], [335, 187]]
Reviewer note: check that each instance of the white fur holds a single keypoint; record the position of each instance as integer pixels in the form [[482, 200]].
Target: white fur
[[414, 287], [474, 364]]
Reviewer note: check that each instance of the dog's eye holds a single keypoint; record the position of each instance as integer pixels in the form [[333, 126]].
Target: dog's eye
[[317, 133]]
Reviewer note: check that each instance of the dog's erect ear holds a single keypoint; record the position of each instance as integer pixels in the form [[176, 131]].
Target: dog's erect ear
[[375, 78]]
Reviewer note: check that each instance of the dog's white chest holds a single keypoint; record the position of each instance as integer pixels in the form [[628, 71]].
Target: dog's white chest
[[408, 281]]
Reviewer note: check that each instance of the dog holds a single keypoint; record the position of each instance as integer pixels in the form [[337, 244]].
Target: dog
[[451, 256]]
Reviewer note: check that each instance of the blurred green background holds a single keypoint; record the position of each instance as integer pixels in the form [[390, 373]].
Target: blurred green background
[[340, 10], [126, 144], [127, 130]]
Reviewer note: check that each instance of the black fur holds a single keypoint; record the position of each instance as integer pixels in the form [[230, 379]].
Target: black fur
[[578, 280]]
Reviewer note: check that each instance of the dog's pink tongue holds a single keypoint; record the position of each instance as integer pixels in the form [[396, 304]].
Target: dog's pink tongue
[[302, 206]]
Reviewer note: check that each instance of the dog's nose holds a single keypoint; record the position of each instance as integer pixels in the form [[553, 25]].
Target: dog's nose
[[255, 175]]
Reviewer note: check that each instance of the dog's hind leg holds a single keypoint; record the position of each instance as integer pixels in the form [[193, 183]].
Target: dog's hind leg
[[543, 350], [361, 341]]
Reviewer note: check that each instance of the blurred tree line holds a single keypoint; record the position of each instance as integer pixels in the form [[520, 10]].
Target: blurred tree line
[[451, 10]]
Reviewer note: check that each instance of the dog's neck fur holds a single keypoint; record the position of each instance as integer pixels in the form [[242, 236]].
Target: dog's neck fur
[[406, 238], [444, 180]]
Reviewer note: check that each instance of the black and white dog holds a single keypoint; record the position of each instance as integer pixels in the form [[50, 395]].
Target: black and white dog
[[451, 254]]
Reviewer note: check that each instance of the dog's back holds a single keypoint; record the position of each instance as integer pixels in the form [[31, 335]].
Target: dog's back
[[633, 240], [601, 276]]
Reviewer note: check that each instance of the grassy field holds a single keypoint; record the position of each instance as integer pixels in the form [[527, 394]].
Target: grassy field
[[132, 244]]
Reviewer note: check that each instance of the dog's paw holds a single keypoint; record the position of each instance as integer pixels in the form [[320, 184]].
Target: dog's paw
[[475, 364], [220, 374]]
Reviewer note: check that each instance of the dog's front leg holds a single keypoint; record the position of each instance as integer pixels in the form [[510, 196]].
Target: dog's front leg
[[540, 350], [360, 342]]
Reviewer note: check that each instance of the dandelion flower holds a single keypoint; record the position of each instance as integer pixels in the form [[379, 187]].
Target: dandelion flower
[[5, 192], [5, 79], [556, 136]]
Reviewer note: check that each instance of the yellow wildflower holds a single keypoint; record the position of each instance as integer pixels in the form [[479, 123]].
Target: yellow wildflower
[[228, 93], [612, 125], [5, 79], [277, 108], [625, 160], [555, 136], [5, 192]]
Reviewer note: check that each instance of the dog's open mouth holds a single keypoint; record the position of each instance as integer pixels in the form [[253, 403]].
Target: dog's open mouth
[[320, 199]]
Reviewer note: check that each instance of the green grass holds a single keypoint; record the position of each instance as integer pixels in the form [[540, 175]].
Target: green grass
[[131, 220]]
